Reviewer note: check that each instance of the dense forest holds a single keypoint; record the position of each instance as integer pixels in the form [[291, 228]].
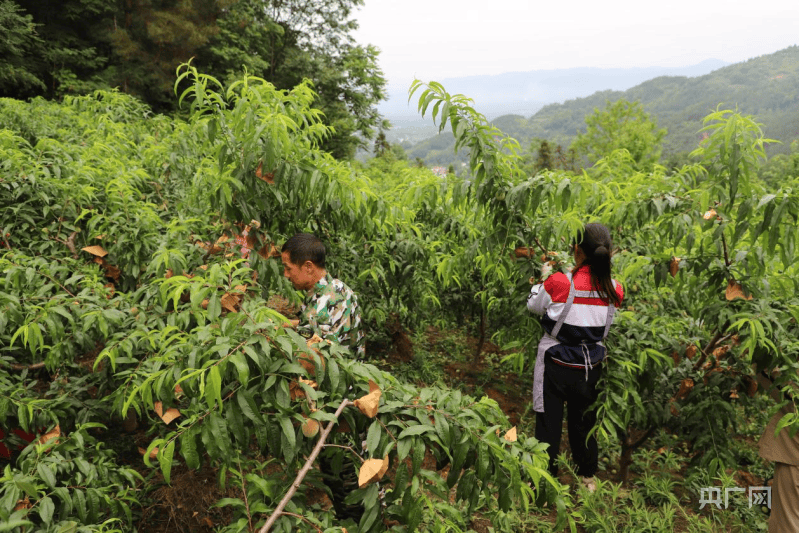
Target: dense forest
[[149, 381], [137, 44]]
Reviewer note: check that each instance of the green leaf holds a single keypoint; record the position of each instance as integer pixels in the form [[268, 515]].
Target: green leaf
[[46, 474], [248, 406], [27, 487], [288, 430], [14, 525], [404, 447], [79, 501], [213, 388], [373, 438], [414, 430], [214, 307], [69, 527], [188, 448], [46, 509], [240, 361], [165, 459]]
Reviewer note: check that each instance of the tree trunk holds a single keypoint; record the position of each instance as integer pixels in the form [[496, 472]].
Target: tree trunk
[[482, 339]]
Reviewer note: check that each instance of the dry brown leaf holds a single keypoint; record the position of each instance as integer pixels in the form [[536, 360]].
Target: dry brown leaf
[[371, 471], [50, 435], [369, 404], [167, 416], [690, 351], [510, 436], [95, 250], [662, 450], [111, 271], [709, 214], [111, 290], [230, 302], [734, 394], [23, 504], [523, 251], [310, 383], [306, 360], [223, 239], [208, 522], [685, 387], [153, 452], [674, 266], [178, 391], [719, 352], [204, 303], [310, 427], [269, 250], [268, 177], [252, 240], [735, 290], [295, 391], [344, 530], [70, 243]]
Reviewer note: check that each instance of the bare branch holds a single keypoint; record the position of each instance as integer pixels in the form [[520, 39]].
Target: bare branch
[[304, 470]]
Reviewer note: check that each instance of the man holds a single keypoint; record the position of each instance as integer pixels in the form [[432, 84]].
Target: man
[[330, 308], [783, 449]]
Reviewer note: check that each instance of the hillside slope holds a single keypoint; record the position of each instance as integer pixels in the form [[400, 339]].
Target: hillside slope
[[766, 87]]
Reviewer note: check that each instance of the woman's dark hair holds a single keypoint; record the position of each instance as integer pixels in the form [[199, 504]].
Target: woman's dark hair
[[304, 247], [596, 244]]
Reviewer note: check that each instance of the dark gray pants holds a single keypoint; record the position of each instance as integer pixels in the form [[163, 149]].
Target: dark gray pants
[[569, 385]]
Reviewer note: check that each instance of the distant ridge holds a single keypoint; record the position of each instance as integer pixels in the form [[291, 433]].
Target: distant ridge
[[765, 86], [516, 92]]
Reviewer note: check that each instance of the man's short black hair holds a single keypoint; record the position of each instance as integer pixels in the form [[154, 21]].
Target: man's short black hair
[[304, 247]]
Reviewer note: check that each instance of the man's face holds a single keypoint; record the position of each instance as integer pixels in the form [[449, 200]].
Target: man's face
[[300, 276]]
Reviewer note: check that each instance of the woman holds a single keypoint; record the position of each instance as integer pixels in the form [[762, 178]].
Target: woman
[[577, 310]]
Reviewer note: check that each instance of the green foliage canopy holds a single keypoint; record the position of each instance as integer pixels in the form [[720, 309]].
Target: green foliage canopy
[[622, 125]]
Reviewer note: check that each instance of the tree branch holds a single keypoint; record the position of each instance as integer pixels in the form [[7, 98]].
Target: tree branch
[[34, 366], [304, 470], [540, 246], [726, 253]]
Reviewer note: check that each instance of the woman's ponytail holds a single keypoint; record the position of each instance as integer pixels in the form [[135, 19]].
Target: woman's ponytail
[[596, 245]]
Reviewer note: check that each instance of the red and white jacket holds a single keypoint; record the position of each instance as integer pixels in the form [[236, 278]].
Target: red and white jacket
[[575, 319], [579, 325]]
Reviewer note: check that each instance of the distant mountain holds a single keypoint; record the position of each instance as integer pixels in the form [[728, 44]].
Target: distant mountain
[[765, 86], [524, 93], [521, 93]]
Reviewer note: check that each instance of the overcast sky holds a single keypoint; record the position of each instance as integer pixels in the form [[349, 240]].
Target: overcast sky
[[437, 39]]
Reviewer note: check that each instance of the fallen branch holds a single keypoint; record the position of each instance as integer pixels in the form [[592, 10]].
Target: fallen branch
[[304, 470], [20, 368]]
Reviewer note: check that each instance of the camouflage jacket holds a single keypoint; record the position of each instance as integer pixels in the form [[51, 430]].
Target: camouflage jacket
[[331, 311]]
